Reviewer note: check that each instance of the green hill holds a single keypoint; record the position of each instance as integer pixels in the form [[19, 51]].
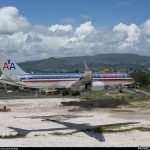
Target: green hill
[[97, 62]]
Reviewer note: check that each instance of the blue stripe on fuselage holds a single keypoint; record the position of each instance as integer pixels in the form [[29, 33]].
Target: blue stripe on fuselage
[[70, 76]]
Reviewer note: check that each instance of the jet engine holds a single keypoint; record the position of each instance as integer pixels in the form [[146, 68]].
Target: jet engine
[[97, 85]]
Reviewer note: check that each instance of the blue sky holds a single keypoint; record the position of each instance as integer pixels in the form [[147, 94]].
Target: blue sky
[[104, 13], [38, 29]]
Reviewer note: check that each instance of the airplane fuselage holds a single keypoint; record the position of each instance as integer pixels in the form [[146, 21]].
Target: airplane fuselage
[[61, 80]]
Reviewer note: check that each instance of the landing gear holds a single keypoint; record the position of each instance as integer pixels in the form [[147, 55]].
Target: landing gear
[[88, 86], [5, 87]]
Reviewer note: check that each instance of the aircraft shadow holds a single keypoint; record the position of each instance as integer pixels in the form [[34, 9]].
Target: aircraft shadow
[[58, 117], [85, 128]]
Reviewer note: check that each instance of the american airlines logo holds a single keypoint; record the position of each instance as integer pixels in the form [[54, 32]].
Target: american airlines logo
[[9, 65]]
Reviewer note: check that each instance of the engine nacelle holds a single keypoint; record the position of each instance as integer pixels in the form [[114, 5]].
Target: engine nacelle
[[97, 86]]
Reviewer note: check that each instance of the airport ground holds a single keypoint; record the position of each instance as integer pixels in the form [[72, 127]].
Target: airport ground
[[76, 122]]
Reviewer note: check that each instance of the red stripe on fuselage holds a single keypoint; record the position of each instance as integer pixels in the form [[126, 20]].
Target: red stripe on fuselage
[[112, 79], [46, 80]]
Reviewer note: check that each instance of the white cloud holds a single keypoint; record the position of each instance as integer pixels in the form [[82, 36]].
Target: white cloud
[[29, 41], [132, 33], [58, 27], [146, 27], [85, 29], [81, 32], [11, 21]]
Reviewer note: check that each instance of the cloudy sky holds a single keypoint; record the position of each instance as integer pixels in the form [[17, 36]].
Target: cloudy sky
[[39, 29]]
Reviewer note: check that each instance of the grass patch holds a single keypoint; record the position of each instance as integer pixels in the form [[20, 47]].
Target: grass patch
[[37, 135], [116, 128], [64, 134], [125, 130], [122, 110], [11, 136], [96, 103], [111, 98], [145, 88]]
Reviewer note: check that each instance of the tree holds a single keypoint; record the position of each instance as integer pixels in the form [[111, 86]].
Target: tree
[[141, 78]]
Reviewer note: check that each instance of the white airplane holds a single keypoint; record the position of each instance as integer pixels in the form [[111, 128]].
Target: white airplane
[[12, 74]]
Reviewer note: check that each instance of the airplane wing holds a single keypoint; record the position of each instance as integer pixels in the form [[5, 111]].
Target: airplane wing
[[85, 79]]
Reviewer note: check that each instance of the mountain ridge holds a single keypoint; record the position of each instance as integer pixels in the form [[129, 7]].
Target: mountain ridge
[[74, 64]]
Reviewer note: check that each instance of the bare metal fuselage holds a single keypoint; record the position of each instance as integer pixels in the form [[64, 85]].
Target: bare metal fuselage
[[60, 81]]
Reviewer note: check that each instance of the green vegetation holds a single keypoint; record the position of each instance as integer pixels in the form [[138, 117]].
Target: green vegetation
[[67, 133], [112, 97], [122, 110], [11, 136], [108, 99], [37, 135], [142, 80], [114, 62], [110, 128]]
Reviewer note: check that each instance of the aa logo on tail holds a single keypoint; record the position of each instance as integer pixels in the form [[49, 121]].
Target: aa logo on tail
[[9, 65]]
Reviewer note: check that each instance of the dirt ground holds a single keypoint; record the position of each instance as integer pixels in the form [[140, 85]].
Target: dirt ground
[[49, 123]]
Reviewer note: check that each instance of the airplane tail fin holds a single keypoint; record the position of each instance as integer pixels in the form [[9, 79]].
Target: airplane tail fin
[[86, 66], [8, 66]]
